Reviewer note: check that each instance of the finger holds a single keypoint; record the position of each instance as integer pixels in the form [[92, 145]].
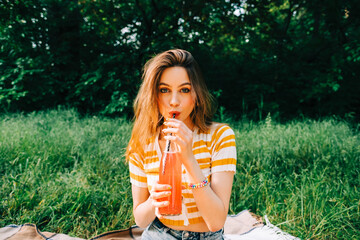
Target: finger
[[173, 127], [176, 124], [177, 140], [183, 134], [160, 187], [171, 138], [171, 130], [173, 124], [158, 195], [172, 120], [158, 204]]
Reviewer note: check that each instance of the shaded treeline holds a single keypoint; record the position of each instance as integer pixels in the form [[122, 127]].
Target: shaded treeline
[[285, 57]]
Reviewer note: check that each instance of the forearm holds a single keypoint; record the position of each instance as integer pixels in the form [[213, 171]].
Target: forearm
[[210, 205], [144, 213]]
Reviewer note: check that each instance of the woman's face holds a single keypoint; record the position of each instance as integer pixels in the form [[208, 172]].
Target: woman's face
[[175, 95]]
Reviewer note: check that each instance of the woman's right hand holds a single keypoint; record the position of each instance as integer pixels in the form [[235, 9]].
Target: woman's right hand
[[158, 192]]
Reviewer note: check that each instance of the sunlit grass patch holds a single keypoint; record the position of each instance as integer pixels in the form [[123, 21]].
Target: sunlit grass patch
[[67, 174]]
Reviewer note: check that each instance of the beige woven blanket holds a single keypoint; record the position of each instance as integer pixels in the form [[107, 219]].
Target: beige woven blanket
[[235, 224]]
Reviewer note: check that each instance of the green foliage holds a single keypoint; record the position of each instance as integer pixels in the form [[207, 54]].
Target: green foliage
[[67, 174], [286, 57]]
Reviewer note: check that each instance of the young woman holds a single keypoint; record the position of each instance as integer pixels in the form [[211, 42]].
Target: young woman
[[173, 85]]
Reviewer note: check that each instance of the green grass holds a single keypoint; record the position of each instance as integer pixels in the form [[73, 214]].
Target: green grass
[[68, 174]]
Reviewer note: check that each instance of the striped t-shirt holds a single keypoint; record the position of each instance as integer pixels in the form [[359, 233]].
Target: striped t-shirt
[[214, 150]]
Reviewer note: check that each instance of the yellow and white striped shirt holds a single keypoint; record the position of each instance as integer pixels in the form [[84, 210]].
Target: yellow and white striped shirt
[[214, 150]]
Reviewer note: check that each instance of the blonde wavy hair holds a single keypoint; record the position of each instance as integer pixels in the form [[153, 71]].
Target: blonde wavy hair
[[147, 116]]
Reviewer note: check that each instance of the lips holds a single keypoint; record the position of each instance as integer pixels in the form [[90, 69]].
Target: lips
[[174, 112]]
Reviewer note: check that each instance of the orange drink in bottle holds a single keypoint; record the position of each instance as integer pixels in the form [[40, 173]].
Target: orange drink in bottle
[[170, 173]]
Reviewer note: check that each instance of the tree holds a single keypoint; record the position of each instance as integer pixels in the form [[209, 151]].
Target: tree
[[289, 57]]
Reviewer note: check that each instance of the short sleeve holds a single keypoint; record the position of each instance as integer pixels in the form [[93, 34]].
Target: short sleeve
[[223, 150], [137, 173]]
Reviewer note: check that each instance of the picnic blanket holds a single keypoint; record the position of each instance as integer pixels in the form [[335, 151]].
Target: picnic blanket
[[242, 226]]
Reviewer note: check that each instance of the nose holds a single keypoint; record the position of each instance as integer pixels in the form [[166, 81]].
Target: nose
[[174, 101]]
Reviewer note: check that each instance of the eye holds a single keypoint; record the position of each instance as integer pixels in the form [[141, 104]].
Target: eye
[[185, 90], [163, 90]]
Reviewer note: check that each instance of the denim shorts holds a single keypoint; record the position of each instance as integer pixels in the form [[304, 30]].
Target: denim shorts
[[157, 230]]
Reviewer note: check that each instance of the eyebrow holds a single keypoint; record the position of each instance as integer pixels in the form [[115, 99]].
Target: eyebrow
[[183, 84]]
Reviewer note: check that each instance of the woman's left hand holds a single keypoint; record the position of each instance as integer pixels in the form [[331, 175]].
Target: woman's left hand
[[181, 135]]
